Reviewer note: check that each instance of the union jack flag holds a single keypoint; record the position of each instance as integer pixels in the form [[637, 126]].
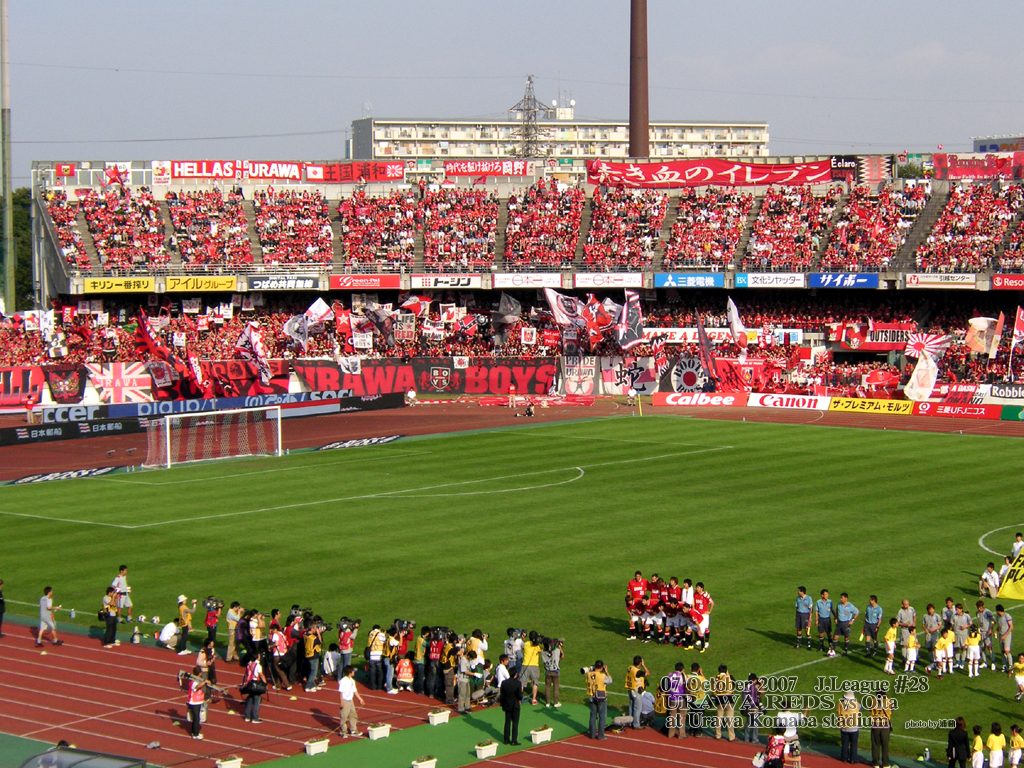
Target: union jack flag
[[121, 382]]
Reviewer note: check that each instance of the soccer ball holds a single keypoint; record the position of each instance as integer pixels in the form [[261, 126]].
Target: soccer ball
[[142, 619], [156, 619]]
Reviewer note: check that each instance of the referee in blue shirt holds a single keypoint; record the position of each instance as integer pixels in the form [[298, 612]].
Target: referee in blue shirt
[[824, 610], [804, 605], [872, 620], [846, 614]]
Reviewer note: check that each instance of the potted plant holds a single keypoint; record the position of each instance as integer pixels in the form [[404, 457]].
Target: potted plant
[[487, 748], [379, 731], [425, 761], [540, 735], [439, 716], [317, 746], [230, 762]]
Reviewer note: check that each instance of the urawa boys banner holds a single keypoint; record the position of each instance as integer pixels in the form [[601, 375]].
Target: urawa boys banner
[[431, 375]]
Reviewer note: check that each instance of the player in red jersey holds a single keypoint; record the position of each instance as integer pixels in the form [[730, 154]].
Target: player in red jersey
[[652, 612], [635, 610], [704, 604], [673, 621], [636, 590], [674, 591], [694, 633]]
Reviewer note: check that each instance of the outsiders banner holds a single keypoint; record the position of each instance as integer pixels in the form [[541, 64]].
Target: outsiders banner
[[488, 168], [356, 172], [866, 405], [975, 166], [700, 173], [883, 337], [361, 282], [66, 382], [431, 375], [20, 382]]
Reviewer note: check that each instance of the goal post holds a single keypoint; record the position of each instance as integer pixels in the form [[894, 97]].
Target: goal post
[[181, 438]]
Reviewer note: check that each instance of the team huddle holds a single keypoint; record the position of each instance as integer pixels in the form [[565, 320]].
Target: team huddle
[[669, 612]]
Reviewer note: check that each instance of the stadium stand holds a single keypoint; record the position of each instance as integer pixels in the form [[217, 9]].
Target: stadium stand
[[871, 228], [294, 228], [544, 225], [624, 229], [378, 233], [209, 230], [971, 227], [707, 228], [789, 229], [126, 229], [63, 215], [459, 227]]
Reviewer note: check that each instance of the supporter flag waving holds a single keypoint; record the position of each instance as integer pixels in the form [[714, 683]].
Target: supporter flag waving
[[508, 314], [596, 316], [922, 380], [984, 333], [418, 305], [383, 321], [707, 355], [567, 310], [467, 325], [1018, 328], [739, 333], [250, 346], [297, 329], [926, 344], [660, 358], [629, 331]]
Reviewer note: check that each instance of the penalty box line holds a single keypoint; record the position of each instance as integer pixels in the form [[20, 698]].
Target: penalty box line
[[400, 493]]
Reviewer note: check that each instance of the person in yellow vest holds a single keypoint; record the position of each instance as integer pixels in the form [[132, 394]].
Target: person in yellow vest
[[597, 678], [722, 687], [635, 676], [1018, 676], [185, 622], [912, 647], [881, 727], [977, 749], [996, 743], [890, 645], [1016, 746], [374, 656], [848, 717], [696, 685], [973, 646], [944, 652]]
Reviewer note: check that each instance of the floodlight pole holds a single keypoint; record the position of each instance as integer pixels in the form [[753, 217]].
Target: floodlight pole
[[5, 148], [639, 98]]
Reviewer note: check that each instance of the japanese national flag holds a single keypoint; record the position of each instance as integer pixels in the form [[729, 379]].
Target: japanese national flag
[[315, 172]]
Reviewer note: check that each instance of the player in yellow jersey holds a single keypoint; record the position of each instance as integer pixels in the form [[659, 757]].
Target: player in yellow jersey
[[996, 742], [977, 749], [911, 650], [973, 647], [944, 652], [890, 646], [1018, 676], [1016, 746]]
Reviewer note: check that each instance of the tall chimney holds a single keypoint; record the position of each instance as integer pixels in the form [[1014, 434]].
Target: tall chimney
[[639, 106]]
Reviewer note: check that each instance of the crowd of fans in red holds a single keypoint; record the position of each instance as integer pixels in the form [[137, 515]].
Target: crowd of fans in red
[[625, 225], [210, 232], [294, 228], [707, 228], [63, 215], [871, 228], [544, 225], [790, 225], [126, 228], [971, 227], [378, 234], [459, 227]]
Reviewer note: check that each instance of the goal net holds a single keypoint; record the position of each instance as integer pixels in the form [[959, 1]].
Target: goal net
[[187, 437]]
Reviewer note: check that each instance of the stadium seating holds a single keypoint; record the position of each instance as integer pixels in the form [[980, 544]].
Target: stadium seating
[[1012, 259], [971, 227], [789, 229], [294, 228], [707, 228], [871, 229], [126, 229], [543, 226], [378, 234], [459, 227], [63, 215], [209, 231], [625, 226]]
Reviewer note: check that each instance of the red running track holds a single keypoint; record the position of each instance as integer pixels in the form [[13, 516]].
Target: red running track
[[643, 749], [121, 699]]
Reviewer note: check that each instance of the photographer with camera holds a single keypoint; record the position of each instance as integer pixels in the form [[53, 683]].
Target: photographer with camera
[[477, 643], [206, 661], [723, 686], [234, 615], [464, 678], [420, 652], [597, 678], [449, 664], [312, 644], [185, 622], [374, 658], [530, 675], [347, 631], [551, 657], [283, 658], [258, 635], [514, 648], [390, 657], [254, 685], [435, 650], [635, 688], [213, 608]]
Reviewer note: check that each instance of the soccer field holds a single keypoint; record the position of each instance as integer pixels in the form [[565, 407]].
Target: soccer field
[[541, 527]]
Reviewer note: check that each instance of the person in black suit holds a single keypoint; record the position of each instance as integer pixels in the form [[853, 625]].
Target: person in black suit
[[511, 695], [958, 747]]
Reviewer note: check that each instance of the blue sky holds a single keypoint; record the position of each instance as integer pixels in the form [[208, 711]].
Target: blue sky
[[867, 76]]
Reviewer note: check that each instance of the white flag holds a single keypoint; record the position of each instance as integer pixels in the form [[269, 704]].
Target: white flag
[[922, 380]]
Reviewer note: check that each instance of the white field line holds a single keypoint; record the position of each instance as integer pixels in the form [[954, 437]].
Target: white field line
[[383, 494], [981, 541]]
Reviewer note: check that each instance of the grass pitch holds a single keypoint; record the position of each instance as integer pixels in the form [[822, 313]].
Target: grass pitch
[[541, 527]]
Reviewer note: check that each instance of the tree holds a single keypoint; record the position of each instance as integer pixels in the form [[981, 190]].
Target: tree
[[910, 171], [23, 288]]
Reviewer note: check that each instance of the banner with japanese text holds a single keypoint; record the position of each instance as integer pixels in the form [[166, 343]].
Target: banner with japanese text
[[700, 173]]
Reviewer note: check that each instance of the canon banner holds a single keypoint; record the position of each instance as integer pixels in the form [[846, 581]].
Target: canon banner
[[700, 173], [433, 375], [18, 383], [793, 402]]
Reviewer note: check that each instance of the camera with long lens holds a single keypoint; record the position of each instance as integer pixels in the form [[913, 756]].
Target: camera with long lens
[[440, 633], [345, 624], [586, 670], [323, 626], [213, 604]]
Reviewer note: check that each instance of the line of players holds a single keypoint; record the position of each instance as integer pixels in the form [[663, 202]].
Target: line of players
[[670, 612]]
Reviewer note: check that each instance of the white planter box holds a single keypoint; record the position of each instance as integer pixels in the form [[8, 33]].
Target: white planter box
[[230, 762], [380, 732], [539, 737], [438, 718], [317, 746], [424, 763], [489, 751]]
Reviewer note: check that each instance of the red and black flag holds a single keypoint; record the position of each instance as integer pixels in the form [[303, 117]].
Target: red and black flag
[[629, 331], [707, 355]]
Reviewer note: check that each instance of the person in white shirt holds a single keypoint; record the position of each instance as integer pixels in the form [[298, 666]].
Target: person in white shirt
[[124, 600], [501, 673], [1018, 545], [989, 582], [348, 693], [1007, 562], [168, 634], [790, 720]]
